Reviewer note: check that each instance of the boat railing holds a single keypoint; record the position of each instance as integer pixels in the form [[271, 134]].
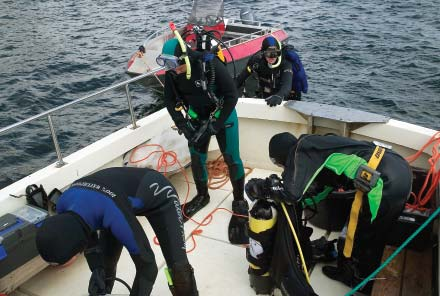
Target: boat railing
[[267, 28], [48, 114]]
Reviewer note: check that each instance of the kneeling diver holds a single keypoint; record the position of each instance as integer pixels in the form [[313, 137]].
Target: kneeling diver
[[313, 164], [97, 215]]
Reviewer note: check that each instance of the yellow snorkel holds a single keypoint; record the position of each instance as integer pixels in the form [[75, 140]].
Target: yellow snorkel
[[183, 47]]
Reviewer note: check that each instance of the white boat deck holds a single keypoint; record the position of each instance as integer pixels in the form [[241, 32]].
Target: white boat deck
[[220, 268]]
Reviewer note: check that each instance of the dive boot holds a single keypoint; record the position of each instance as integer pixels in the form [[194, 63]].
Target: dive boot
[[238, 226], [196, 204], [324, 250], [183, 280], [347, 273]]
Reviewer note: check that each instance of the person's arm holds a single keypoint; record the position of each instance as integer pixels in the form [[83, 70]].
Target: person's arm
[[95, 260], [244, 74], [128, 231], [226, 89], [286, 79], [170, 98]]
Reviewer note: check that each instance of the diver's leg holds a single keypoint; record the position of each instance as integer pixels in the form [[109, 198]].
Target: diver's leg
[[228, 141], [199, 154], [161, 207]]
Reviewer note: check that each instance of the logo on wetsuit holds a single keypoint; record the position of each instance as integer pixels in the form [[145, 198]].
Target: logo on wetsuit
[[157, 190], [96, 187]]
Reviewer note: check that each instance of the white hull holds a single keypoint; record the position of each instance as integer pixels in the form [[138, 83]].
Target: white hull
[[218, 265]]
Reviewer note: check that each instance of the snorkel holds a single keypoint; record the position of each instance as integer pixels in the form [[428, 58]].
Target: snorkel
[[272, 66], [183, 47]]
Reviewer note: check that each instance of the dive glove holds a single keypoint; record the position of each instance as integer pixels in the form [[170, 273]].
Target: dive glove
[[271, 187], [256, 189], [97, 282], [184, 129], [205, 132], [274, 100]]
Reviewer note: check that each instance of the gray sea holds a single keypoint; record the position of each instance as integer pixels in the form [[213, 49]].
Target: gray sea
[[380, 56]]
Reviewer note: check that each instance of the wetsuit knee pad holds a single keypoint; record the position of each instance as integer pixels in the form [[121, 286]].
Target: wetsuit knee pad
[[262, 230]]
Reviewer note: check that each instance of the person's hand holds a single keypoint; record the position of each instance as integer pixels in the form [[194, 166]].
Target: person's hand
[[274, 100], [275, 187], [206, 131], [97, 282], [256, 189], [186, 131]]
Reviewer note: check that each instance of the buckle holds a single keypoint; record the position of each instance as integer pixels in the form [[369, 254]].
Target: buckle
[[383, 145], [366, 178]]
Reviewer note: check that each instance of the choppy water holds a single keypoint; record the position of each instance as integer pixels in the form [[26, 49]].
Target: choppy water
[[380, 56]]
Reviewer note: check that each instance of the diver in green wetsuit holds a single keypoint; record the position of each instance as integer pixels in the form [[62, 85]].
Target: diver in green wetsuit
[[208, 99]]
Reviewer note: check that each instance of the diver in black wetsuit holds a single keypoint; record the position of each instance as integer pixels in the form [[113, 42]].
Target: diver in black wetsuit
[[314, 165], [98, 214], [209, 111], [274, 73]]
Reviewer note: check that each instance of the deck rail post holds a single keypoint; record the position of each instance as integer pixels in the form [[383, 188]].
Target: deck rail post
[[130, 106], [60, 161]]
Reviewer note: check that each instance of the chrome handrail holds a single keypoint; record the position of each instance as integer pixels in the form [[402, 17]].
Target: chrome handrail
[[50, 112]]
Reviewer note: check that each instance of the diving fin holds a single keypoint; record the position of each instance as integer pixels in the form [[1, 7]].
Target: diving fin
[[238, 226]]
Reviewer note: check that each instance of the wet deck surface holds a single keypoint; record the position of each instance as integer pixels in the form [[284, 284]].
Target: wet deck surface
[[220, 268]]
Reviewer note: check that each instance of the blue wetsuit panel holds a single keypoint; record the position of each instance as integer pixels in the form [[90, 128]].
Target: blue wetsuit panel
[[99, 211]]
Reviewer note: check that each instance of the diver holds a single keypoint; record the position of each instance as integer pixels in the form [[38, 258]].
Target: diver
[[313, 164], [97, 215], [199, 84], [280, 73]]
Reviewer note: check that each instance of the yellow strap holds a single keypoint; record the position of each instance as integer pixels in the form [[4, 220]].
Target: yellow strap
[[357, 203]]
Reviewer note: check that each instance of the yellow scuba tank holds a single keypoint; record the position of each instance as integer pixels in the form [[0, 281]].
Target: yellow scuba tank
[[262, 222]]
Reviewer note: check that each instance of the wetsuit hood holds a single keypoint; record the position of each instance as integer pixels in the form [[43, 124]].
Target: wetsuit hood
[[280, 145], [61, 237], [170, 47], [270, 41]]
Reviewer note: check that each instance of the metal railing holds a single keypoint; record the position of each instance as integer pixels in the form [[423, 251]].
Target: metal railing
[[269, 27], [50, 112]]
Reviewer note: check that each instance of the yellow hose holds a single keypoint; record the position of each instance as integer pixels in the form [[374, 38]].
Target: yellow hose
[[306, 273]]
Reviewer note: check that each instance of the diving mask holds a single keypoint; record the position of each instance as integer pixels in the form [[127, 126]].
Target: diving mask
[[272, 53], [170, 62]]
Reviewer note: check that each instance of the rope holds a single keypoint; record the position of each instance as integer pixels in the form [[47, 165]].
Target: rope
[[218, 176], [394, 254], [425, 194]]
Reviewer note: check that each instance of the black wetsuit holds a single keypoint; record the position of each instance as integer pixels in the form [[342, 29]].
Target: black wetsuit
[[109, 201], [306, 163], [272, 81], [190, 93]]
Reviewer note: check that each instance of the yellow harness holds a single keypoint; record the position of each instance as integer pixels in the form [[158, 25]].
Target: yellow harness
[[366, 174]]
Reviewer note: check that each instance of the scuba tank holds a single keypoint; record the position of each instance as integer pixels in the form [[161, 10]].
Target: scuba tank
[[262, 222]]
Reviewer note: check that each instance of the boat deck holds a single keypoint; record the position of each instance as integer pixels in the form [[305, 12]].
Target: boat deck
[[218, 265]]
